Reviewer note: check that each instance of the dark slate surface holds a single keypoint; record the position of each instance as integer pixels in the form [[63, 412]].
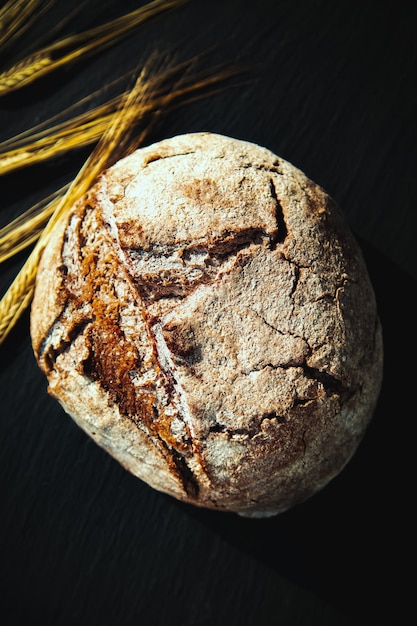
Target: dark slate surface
[[333, 89]]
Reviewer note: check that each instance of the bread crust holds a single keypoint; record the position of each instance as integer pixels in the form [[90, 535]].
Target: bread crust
[[205, 314]]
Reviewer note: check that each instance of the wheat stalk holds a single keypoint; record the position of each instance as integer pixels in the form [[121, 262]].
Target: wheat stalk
[[73, 134], [67, 115], [27, 227], [16, 17], [71, 48], [86, 128]]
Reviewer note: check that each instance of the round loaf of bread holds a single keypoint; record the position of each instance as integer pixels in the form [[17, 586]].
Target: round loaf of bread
[[205, 315]]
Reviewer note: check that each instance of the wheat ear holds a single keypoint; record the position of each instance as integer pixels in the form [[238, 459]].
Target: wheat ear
[[69, 49]]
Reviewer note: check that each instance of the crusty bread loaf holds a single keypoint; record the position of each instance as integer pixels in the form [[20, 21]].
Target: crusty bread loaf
[[206, 316]]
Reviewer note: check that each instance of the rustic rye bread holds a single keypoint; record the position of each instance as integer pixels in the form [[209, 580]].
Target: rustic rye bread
[[205, 315]]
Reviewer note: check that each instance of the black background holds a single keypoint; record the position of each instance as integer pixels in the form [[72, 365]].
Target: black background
[[332, 88]]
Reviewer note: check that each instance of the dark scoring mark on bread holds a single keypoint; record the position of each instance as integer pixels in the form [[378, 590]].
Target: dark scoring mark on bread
[[185, 474], [163, 154], [331, 384], [279, 216], [50, 352]]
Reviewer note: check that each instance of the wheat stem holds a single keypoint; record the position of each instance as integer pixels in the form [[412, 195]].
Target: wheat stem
[[71, 48], [16, 17], [26, 228], [86, 128]]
